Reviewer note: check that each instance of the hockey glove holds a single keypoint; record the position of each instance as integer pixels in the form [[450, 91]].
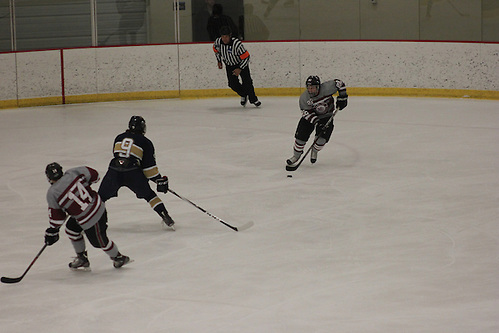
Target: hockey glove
[[51, 236], [162, 184], [341, 101]]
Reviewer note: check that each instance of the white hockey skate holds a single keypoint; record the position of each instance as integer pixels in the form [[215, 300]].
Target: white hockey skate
[[293, 159]]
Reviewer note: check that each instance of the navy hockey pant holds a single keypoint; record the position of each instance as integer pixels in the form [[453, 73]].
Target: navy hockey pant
[[135, 180]]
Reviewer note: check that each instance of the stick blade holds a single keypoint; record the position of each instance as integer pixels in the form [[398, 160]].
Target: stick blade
[[11, 280], [291, 167], [246, 226]]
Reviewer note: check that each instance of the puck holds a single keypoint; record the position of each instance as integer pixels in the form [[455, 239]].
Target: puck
[[289, 176]]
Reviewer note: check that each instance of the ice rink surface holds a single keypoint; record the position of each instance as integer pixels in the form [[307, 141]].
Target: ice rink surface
[[394, 229]]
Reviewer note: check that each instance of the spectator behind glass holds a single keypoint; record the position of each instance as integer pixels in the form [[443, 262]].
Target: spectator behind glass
[[200, 19], [217, 20]]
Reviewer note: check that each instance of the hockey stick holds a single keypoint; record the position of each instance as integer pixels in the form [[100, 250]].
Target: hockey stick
[[18, 279], [296, 166], [243, 227]]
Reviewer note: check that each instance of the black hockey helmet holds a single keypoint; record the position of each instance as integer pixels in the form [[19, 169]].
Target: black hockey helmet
[[53, 171], [225, 31], [313, 81], [137, 124]]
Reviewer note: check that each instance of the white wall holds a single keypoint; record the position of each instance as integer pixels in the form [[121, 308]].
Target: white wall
[[120, 69], [156, 68], [405, 64], [8, 86]]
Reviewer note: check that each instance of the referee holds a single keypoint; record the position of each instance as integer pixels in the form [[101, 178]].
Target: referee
[[231, 51]]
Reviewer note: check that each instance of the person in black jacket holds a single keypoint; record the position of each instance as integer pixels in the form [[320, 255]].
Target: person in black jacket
[[218, 20]]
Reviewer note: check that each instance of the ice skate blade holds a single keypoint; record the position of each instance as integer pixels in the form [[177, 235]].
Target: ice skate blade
[[172, 228], [81, 269], [166, 227]]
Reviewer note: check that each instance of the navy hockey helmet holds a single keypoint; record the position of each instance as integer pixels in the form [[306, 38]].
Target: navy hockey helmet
[[313, 81], [53, 171], [137, 124]]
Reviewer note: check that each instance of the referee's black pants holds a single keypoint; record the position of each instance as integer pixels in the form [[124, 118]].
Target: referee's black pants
[[242, 89]]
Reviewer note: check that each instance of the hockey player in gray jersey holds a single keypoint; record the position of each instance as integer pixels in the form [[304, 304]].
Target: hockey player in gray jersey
[[317, 106], [70, 194]]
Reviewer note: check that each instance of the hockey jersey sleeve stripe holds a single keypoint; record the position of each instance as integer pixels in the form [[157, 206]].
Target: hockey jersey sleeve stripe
[[94, 175], [151, 172]]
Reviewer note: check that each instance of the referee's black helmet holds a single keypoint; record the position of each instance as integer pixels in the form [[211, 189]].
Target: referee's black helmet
[[225, 31]]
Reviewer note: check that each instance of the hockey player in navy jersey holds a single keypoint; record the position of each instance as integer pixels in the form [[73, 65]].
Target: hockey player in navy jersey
[[70, 194], [133, 166], [317, 106]]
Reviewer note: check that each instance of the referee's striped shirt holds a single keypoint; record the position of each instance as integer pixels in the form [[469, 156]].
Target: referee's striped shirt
[[232, 54]]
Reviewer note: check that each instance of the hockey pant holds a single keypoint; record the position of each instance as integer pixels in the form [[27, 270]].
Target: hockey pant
[[244, 89], [136, 181], [305, 129], [96, 235]]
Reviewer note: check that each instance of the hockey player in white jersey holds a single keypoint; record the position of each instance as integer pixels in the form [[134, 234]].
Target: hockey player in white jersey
[[70, 194], [317, 106]]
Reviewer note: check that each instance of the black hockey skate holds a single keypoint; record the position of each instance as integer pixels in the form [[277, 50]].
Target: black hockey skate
[[80, 262], [120, 260], [168, 221]]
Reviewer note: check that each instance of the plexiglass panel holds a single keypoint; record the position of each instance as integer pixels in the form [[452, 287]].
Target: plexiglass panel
[[456, 20], [121, 22], [280, 17], [51, 24], [326, 20], [5, 33], [389, 20], [490, 20], [48, 24]]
